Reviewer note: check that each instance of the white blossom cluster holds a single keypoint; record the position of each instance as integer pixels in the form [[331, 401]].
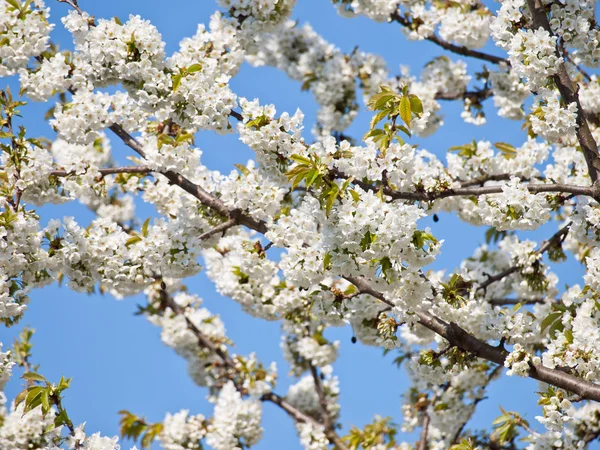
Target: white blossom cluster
[[182, 431], [296, 233], [303, 394], [236, 423], [22, 431], [24, 33]]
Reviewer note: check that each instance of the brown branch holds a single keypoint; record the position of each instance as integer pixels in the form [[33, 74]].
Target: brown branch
[[460, 338], [517, 301], [487, 190], [107, 171], [555, 239], [497, 177], [458, 49], [478, 400], [469, 190], [218, 229], [197, 191], [580, 69], [322, 399], [475, 96], [73, 4], [422, 445], [205, 342], [236, 115], [327, 422], [569, 92]]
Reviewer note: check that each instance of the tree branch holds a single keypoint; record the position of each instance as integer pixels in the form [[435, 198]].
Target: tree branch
[[202, 195], [458, 337], [568, 90], [107, 171], [458, 49], [555, 239], [516, 301], [475, 96], [450, 331], [422, 445], [73, 4], [470, 190], [205, 342], [218, 229], [327, 422], [492, 374]]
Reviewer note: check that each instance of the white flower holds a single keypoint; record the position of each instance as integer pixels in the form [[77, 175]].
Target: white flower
[[236, 423]]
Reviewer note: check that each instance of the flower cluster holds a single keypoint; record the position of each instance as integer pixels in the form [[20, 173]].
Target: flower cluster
[[314, 234], [182, 431], [24, 33], [236, 423]]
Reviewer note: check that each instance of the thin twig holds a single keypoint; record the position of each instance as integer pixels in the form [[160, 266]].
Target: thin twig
[[327, 422], [469, 190], [205, 342], [106, 171], [555, 239], [517, 301], [458, 49], [73, 4], [218, 229], [478, 400]]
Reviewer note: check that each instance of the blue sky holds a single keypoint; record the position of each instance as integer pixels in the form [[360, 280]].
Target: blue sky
[[117, 360]]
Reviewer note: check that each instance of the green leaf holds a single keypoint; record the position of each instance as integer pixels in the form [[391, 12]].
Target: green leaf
[[327, 261], [145, 228], [311, 177], [550, 319], [32, 376], [20, 397], [301, 159], [45, 399], [64, 383], [507, 150], [331, 196], [367, 240], [133, 240], [415, 104], [405, 130], [463, 445], [33, 398], [378, 118], [194, 68], [386, 267], [177, 81], [243, 169], [405, 110], [568, 336], [14, 3], [379, 100]]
